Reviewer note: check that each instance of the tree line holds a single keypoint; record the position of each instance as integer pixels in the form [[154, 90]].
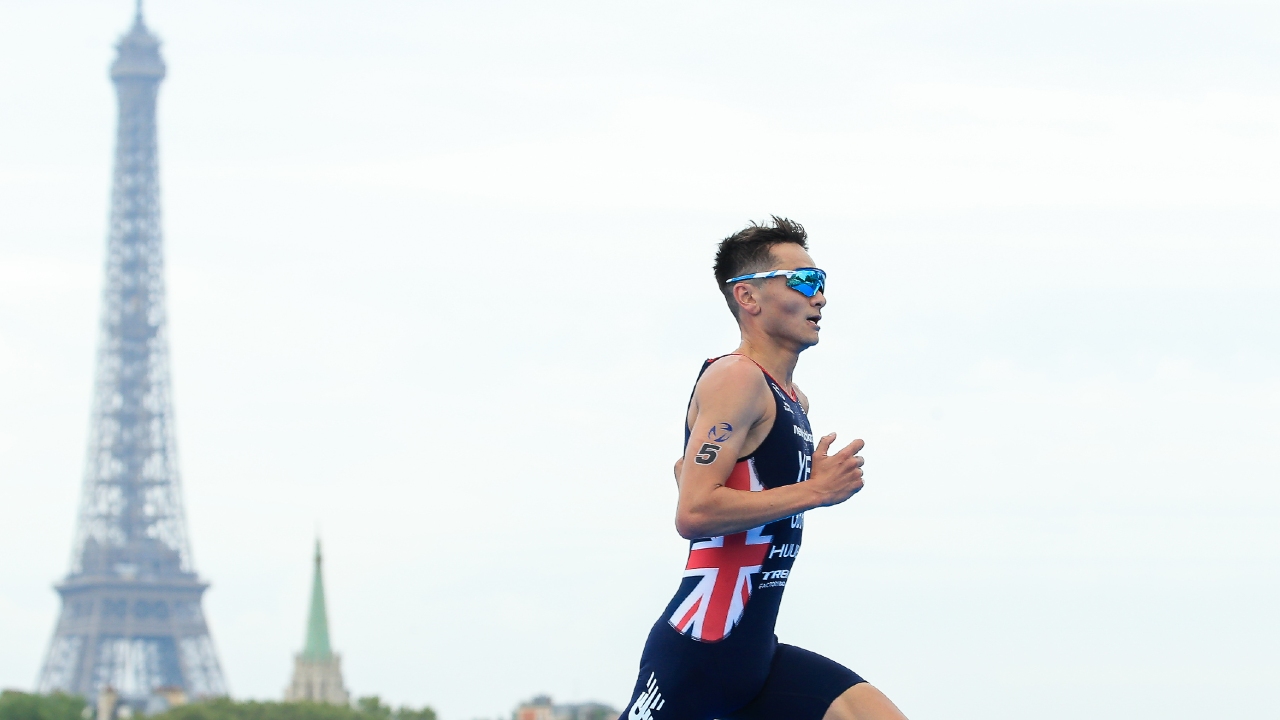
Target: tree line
[[25, 706]]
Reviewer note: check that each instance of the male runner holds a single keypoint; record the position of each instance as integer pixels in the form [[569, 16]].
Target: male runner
[[748, 473]]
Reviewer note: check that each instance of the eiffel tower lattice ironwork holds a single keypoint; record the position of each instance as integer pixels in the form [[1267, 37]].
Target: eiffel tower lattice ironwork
[[131, 613]]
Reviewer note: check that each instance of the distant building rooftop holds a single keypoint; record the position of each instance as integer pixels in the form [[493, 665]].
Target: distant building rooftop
[[541, 707]]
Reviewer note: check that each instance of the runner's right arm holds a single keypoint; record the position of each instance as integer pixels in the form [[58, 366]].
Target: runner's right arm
[[732, 392]]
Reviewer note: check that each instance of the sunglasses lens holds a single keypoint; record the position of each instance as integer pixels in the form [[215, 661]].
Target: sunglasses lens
[[808, 282]]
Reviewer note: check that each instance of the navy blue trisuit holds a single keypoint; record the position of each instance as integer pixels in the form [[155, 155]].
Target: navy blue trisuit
[[712, 655]]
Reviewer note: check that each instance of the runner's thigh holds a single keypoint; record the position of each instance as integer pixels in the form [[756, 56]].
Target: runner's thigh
[[801, 686]]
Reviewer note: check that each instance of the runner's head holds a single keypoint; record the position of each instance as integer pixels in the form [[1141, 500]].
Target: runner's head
[[785, 306]]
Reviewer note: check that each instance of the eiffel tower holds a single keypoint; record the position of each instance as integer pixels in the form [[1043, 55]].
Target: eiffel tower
[[131, 616]]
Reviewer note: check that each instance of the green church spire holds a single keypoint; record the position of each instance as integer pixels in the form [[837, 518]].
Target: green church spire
[[317, 647]]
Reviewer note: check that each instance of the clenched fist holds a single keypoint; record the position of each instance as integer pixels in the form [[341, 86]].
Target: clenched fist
[[836, 477]]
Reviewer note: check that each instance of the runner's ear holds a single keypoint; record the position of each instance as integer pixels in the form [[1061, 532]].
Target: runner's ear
[[744, 293]]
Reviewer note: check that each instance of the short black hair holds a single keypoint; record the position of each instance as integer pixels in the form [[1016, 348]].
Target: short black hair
[[748, 251]]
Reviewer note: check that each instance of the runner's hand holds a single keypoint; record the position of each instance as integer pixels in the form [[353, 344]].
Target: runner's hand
[[836, 477]]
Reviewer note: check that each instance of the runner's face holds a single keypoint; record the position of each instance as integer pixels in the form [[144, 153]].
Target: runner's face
[[787, 314]]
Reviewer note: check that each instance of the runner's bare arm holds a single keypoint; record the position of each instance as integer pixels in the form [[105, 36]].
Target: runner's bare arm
[[732, 393]]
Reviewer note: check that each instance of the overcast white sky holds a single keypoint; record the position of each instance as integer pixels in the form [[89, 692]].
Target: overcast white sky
[[439, 285]]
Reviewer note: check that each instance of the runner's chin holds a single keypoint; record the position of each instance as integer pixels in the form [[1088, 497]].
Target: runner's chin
[[810, 334]]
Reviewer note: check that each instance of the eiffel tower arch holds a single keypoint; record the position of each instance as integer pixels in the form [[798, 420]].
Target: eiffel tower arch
[[131, 616]]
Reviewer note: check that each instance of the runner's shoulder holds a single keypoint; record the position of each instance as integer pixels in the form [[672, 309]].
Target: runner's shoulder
[[732, 377]]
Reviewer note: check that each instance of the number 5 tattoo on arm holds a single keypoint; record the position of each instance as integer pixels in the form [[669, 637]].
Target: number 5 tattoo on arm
[[706, 454]]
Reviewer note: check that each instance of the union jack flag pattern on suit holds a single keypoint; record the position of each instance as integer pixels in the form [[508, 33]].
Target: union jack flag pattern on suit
[[725, 564]]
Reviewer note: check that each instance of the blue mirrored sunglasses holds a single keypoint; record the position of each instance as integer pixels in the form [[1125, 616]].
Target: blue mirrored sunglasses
[[806, 281]]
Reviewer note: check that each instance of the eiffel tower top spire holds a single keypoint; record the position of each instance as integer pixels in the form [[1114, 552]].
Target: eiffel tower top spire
[[138, 53], [317, 647]]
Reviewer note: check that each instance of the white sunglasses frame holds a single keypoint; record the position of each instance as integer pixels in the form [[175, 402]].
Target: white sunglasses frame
[[788, 274]]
